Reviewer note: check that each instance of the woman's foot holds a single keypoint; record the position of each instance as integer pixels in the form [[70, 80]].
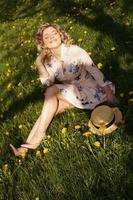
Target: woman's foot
[[19, 152]]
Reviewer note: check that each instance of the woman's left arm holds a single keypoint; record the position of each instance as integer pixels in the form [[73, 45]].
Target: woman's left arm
[[87, 62]]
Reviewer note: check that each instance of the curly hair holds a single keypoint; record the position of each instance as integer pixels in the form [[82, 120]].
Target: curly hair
[[65, 38]]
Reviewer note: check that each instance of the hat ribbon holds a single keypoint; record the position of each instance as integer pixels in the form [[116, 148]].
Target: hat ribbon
[[108, 125]]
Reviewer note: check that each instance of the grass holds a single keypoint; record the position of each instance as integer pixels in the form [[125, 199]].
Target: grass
[[73, 168]]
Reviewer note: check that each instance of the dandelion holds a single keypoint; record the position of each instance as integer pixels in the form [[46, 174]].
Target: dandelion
[[64, 130], [9, 70], [48, 137], [113, 49], [38, 153], [130, 93], [77, 127], [9, 86], [100, 65], [80, 40], [32, 67], [87, 134], [20, 126], [130, 100], [19, 84], [32, 81], [8, 74], [20, 94], [45, 150], [97, 144], [85, 32], [102, 129], [37, 198], [5, 168]]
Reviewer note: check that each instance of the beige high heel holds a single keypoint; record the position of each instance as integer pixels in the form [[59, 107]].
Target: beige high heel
[[19, 152]]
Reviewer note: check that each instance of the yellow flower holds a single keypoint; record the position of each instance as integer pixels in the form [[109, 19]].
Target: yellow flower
[[85, 32], [77, 127], [19, 84], [113, 49], [37, 198], [48, 137], [130, 100], [45, 150], [20, 126], [130, 93], [33, 67], [9, 71], [80, 40], [20, 94], [102, 129], [89, 53], [9, 86], [97, 144], [87, 134], [5, 168], [100, 65], [64, 130], [38, 153]]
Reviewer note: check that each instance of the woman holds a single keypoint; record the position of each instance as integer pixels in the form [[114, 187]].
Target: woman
[[82, 84]]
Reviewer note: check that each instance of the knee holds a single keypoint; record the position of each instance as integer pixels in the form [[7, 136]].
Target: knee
[[51, 91]]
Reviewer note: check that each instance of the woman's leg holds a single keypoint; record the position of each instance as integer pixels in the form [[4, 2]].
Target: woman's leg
[[54, 104], [48, 111]]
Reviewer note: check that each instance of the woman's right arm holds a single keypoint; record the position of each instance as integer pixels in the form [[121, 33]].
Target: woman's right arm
[[43, 73], [40, 66]]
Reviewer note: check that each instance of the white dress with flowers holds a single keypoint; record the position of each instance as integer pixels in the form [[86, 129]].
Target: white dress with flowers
[[81, 82]]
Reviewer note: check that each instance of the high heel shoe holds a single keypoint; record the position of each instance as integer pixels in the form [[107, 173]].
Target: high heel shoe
[[19, 152]]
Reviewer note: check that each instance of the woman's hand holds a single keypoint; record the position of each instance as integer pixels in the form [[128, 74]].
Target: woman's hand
[[110, 96]]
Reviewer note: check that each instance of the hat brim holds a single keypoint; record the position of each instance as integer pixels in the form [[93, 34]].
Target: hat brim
[[113, 127]]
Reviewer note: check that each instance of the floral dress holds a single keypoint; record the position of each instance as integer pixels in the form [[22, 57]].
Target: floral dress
[[81, 82]]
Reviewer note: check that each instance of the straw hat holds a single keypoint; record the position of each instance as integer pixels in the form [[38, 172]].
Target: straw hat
[[104, 119]]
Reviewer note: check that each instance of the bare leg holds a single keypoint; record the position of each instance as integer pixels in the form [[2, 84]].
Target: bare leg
[[54, 104], [62, 105], [48, 111]]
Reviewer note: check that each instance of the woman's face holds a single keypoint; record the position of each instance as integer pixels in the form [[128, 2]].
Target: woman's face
[[51, 38]]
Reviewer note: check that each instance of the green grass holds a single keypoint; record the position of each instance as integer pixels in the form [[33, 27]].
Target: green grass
[[73, 169]]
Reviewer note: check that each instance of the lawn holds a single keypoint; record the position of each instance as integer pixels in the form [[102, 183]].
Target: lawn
[[68, 165]]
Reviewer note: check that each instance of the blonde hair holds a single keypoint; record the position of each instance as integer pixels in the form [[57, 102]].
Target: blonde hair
[[65, 38]]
